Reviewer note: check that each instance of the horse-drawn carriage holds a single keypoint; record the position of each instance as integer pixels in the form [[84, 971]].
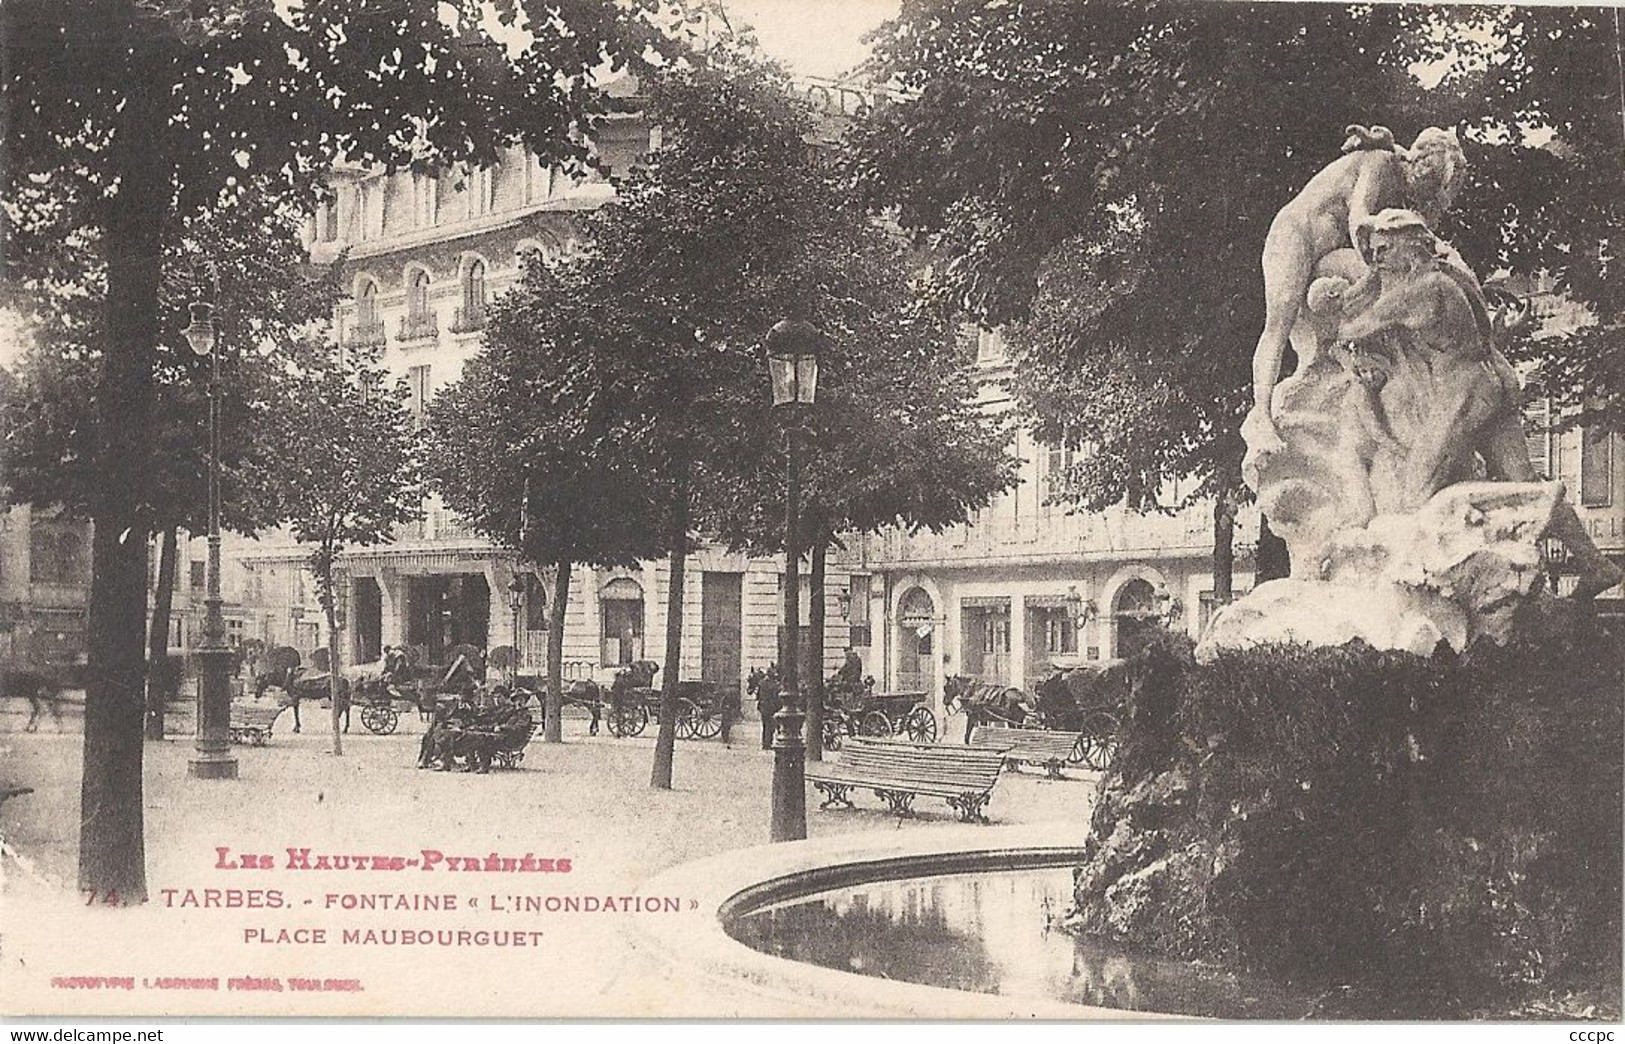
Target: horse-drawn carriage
[[633, 701], [1088, 697], [857, 710], [1083, 696]]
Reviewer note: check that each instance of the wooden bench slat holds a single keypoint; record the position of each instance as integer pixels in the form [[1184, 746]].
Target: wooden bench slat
[[1033, 746], [898, 771]]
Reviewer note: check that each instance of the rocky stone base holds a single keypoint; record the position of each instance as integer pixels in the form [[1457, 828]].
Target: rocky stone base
[[1405, 836], [1460, 568]]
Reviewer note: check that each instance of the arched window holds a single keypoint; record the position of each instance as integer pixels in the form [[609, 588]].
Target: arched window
[[1136, 616], [369, 325], [417, 296], [471, 313], [916, 619], [419, 320], [621, 621], [366, 304]]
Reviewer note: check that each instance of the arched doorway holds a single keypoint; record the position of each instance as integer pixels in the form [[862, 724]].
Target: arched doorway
[[367, 600], [620, 617], [532, 643], [447, 609], [1135, 616], [916, 634]]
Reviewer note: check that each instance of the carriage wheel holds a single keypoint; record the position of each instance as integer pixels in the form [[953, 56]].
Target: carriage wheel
[[921, 725], [709, 724], [834, 732], [379, 718], [689, 720], [875, 724], [627, 720], [1098, 744]]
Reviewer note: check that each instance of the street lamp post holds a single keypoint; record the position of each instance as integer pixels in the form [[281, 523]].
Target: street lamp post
[[793, 348], [212, 758], [516, 602]]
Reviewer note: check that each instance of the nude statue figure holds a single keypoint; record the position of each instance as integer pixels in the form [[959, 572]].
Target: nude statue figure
[[1424, 290], [1328, 215]]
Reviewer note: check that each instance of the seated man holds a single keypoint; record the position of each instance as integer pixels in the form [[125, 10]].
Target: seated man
[[440, 742], [471, 736], [510, 731], [395, 664]]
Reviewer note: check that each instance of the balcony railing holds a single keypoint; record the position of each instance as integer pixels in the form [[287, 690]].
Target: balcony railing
[[419, 327], [468, 319], [447, 525], [368, 335], [438, 524]]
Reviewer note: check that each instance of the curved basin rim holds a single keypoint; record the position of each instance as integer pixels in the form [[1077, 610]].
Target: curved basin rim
[[813, 880]]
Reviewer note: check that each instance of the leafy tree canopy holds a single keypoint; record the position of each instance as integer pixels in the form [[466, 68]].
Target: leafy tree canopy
[[1100, 176], [244, 255], [351, 452], [531, 445]]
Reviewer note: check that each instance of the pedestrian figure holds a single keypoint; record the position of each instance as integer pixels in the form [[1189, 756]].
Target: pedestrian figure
[[768, 687]]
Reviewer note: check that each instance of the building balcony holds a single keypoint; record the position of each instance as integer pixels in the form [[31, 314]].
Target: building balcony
[[468, 319], [1049, 537], [439, 524], [367, 335], [423, 327]]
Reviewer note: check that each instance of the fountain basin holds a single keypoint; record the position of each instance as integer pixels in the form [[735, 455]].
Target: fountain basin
[[698, 950]]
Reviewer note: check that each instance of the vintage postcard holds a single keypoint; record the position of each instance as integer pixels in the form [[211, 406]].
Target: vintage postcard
[[865, 509]]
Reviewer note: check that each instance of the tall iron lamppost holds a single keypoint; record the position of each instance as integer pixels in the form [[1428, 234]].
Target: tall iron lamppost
[[516, 602], [793, 347], [213, 758]]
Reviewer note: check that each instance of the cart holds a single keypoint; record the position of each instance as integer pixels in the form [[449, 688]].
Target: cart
[[374, 696], [703, 707], [879, 714], [1087, 697], [632, 699]]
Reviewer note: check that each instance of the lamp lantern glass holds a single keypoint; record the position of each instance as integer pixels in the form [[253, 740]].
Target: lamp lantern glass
[[793, 349], [516, 593], [200, 331]]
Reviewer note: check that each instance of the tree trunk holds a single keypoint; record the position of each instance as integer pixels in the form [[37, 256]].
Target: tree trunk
[[666, 742], [554, 711], [333, 680], [112, 847], [159, 677], [1224, 548], [1271, 561], [813, 671]]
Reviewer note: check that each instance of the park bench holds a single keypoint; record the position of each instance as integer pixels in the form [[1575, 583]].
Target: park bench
[[251, 720], [898, 771], [1050, 748], [509, 755]]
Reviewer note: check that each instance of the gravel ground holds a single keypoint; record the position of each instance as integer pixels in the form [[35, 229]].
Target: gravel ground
[[587, 800]]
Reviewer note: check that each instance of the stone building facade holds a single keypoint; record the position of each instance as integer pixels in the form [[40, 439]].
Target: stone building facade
[[423, 257]]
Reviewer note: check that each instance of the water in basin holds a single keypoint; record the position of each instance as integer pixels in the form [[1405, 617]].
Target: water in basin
[[995, 932]]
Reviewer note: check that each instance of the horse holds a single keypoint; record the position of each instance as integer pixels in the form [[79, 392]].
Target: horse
[[983, 702], [573, 692], [1065, 696], [41, 693], [766, 686]]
